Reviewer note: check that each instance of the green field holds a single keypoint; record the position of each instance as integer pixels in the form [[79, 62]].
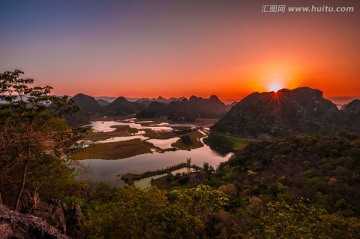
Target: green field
[[239, 143], [159, 135], [120, 130], [116, 150]]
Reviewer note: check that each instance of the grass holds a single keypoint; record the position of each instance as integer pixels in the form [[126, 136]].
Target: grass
[[132, 130], [239, 143], [154, 120], [195, 140], [111, 118], [159, 134], [120, 130], [116, 150]]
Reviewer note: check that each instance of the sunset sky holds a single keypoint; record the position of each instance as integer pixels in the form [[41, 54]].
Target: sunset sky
[[147, 48]]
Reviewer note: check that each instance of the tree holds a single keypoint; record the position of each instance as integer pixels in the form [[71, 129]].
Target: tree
[[31, 132], [208, 168], [201, 201], [281, 220], [126, 214], [219, 142], [188, 164]]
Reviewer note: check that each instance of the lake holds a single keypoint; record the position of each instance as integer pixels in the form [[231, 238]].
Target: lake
[[108, 170]]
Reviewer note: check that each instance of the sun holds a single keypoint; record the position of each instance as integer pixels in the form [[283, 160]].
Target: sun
[[275, 87]]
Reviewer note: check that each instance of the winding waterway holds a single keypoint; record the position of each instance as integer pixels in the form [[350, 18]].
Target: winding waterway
[[108, 170]]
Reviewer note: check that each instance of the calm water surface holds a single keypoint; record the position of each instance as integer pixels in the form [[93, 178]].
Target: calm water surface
[[108, 170], [106, 126]]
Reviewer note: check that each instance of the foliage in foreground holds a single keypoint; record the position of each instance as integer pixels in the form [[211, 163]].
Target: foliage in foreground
[[203, 212], [130, 212], [34, 140]]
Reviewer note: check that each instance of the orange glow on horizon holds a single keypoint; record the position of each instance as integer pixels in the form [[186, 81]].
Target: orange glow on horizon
[[224, 48], [289, 58]]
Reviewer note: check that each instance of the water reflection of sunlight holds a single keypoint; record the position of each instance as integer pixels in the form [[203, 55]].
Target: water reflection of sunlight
[[108, 126]]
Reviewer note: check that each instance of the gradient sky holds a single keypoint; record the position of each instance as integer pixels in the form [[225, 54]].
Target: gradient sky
[[147, 48]]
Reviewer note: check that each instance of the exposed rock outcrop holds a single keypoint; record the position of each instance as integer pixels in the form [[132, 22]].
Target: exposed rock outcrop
[[66, 218], [74, 220], [23, 226]]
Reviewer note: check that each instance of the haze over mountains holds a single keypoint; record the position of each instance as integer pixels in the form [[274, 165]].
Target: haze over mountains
[[340, 101]]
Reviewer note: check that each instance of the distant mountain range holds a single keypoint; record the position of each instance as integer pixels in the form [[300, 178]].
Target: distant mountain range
[[262, 115], [288, 112], [186, 110], [340, 101], [139, 100], [122, 106], [176, 109]]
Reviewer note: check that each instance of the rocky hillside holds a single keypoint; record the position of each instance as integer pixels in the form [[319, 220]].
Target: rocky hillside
[[87, 103], [122, 106], [287, 112]]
